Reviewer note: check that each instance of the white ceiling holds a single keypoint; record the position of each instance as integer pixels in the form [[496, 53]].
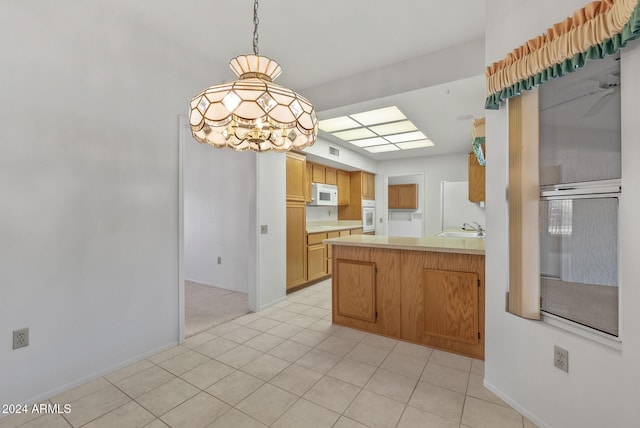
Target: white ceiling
[[318, 42]]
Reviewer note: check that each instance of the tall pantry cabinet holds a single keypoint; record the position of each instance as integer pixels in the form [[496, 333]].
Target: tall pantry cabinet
[[296, 220]]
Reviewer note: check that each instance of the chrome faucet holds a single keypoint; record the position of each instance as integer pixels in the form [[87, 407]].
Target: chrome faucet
[[478, 228]]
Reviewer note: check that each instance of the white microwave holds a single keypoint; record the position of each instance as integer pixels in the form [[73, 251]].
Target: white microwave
[[323, 194]]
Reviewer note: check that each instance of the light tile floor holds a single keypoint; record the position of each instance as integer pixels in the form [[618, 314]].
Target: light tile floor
[[287, 366]]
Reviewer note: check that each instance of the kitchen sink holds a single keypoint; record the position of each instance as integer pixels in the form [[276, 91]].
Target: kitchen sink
[[461, 234]]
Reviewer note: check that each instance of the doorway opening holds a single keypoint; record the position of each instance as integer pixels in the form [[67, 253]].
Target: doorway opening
[[217, 204], [405, 218]]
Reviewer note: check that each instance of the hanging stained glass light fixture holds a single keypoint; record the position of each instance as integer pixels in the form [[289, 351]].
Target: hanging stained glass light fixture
[[253, 113]]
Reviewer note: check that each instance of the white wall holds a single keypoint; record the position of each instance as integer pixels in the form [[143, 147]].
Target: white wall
[[271, 280], [601, 388], [88, 178], [348, 158], [322, 213], [415, 73], [435, 169], [219, 197]]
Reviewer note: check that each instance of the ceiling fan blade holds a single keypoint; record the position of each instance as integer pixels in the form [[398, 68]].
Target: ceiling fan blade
[[599, 105]]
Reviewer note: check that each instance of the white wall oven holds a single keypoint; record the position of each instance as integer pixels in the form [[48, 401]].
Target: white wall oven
[[368, 216], [579, 253]]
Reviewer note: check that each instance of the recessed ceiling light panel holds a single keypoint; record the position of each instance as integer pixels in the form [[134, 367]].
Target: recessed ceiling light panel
[[338, 124], [380, 149], [367, 142], [415, 144], [382, 115], [354, 134], [394, 128], [407, 136]]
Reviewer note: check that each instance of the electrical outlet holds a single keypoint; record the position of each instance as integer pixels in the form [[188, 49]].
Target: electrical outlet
[[219, 260], [20, 338], [561, 358]]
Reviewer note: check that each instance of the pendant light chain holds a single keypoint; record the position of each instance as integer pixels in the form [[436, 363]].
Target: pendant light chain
[[256, 21]]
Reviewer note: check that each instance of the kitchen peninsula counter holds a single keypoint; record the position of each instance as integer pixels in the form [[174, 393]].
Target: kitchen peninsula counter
[[423, 290], [430, 243]]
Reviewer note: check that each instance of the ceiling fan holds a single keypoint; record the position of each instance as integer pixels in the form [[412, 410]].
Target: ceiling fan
[[608, 86], [611, 88]]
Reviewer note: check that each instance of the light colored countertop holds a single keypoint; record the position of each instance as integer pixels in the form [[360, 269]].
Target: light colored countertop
[[332, 226], [430, 243]]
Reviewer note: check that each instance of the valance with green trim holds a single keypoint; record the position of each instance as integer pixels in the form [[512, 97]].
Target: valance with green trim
[[600, 28]]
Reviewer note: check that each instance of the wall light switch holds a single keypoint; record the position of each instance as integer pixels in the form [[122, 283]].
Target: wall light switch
[[264, 229]]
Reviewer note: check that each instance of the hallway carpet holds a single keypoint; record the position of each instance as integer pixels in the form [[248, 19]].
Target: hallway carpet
[[207, 306]]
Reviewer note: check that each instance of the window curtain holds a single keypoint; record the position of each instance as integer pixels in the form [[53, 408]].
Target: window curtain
[[478, 139], [600, 28]]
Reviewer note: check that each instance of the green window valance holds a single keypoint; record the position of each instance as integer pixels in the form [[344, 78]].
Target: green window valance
[[601, 28]]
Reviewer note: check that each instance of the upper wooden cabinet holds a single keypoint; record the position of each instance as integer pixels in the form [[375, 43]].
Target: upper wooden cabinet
[[344, 187], [318, 173], [368, 186], [476, 179], [307, 181], [362, 186], [296, 171], [330, 176], [323, 174], [403, 196]]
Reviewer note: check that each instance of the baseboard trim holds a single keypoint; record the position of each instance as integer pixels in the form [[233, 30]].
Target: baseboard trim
[[269, 304], [93, 376], [527, 414]]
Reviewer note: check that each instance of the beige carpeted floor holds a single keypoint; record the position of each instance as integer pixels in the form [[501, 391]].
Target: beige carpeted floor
[[207, 306]]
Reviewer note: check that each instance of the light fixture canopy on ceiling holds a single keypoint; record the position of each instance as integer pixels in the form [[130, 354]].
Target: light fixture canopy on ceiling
[[252, 113]]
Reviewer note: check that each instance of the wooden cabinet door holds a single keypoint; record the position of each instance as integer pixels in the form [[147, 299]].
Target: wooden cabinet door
[[318, 173], [330, 252], [356, 290], [307, 181], [476, 179], [296, 244], [403, 196], [330, 176], [408, 196], [451, 305], [394, 203], [296, 166], [344, 187], [316, 262], [368, 186]]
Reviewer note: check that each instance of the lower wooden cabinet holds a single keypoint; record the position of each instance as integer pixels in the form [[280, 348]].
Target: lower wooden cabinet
[[316, 261], [308, 259], [431, 298], [330, 252], [356, 290], [451, 305]]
